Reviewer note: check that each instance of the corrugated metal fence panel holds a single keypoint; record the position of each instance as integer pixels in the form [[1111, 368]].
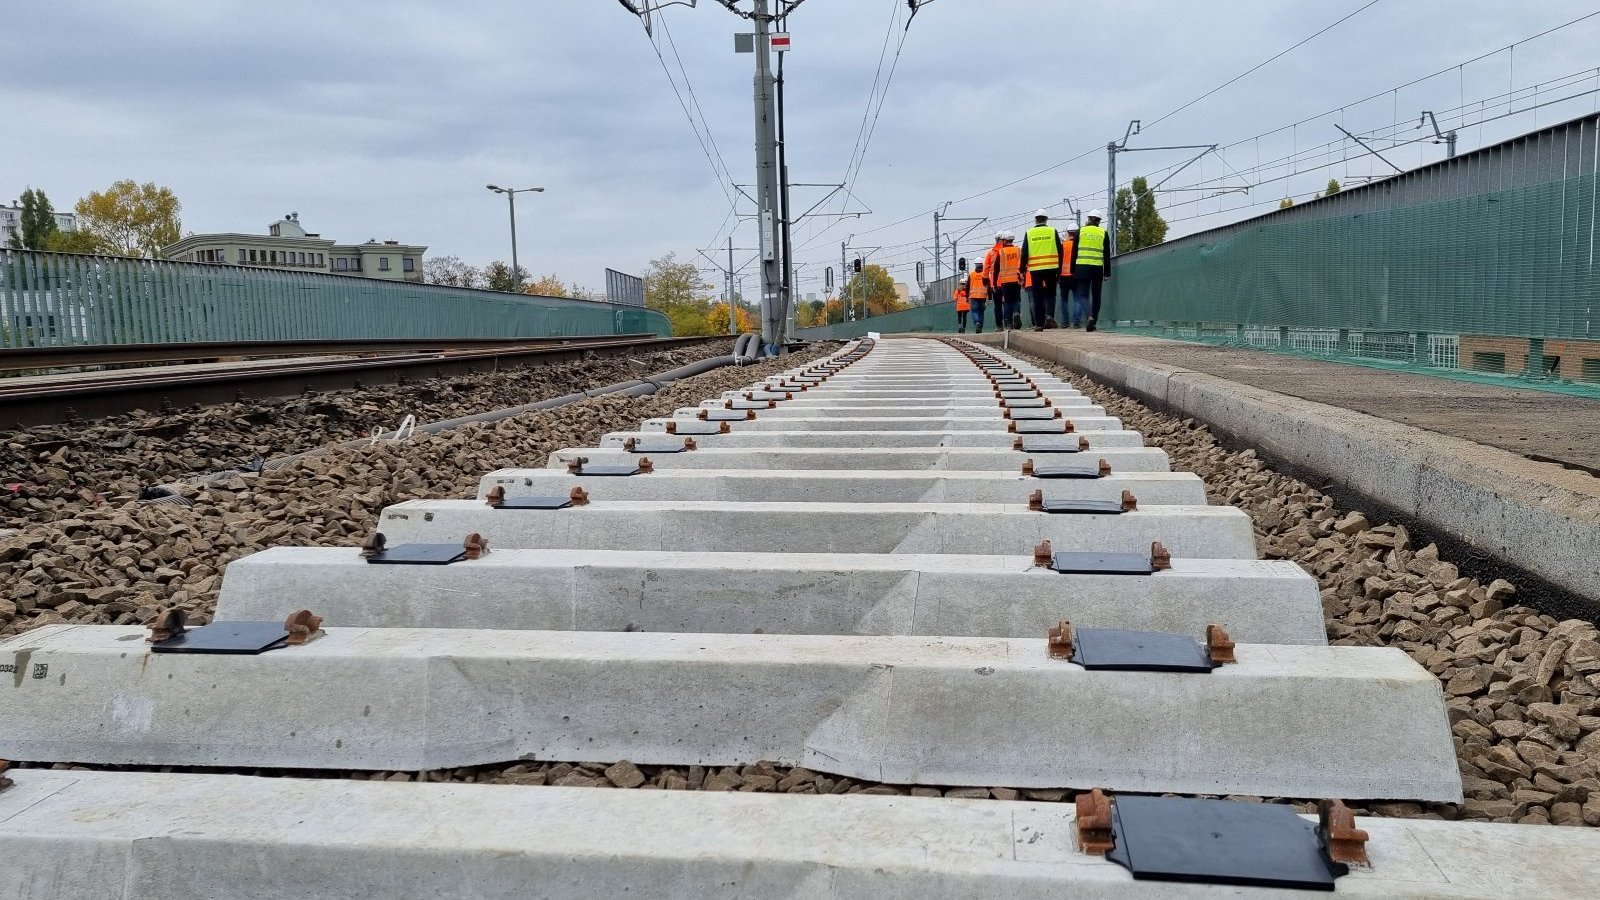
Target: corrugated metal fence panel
[[54, 299], [1502, 241], [625, 289]]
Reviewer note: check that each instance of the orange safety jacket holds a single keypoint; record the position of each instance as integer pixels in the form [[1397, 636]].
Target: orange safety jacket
[[978, 288], [962, 303], [1067, 247], [1008, 265], [991, 264]]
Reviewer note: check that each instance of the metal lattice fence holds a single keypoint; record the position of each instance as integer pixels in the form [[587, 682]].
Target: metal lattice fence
[[59, 299]]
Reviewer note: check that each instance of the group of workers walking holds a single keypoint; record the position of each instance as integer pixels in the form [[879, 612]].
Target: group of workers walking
[[1046, 261]]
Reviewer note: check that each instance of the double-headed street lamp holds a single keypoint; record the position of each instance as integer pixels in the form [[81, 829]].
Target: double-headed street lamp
[[511, 200]]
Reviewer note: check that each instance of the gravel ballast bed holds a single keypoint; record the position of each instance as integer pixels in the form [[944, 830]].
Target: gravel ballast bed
[[59, 470]]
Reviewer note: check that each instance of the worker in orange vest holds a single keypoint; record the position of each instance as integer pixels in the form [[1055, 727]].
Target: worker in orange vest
[[1072, 315], [978, 294], [991, 265], [963, 305], [1008, 279]]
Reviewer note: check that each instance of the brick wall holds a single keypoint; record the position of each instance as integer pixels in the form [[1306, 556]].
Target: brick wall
[[1572, 355]]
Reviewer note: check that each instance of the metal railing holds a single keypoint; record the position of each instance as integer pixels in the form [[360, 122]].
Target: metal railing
[[62, 299]]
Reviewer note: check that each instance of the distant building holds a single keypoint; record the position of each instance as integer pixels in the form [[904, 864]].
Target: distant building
[[11, 222], [287, 245], [902, 292]]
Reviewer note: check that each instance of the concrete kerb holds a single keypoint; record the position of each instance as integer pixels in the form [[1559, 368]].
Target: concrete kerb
[[186, 837], [1203, 532], [1283, 721], [772, 593], [1535, 517]]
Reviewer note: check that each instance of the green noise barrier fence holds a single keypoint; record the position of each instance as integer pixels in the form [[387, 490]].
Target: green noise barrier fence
[[60, 299], [1511, 263], [939, 317]]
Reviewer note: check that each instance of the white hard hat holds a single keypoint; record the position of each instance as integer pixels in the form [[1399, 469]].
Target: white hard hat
[[1093, 214], [1008, 236], [1041, 214], [999, 235]]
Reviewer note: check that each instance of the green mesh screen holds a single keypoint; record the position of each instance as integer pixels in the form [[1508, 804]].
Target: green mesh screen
[[1500, 283], [939, 317], [58, 299], [1516, 263]]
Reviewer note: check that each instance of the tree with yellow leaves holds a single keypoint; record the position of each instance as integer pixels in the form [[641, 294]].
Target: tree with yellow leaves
[[131, 219], [546, 286]]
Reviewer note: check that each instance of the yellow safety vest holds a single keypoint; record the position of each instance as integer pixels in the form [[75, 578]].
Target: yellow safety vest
[[1042, 251], [1091, 246]]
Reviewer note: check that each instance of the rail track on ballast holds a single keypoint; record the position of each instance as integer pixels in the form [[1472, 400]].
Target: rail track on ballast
[[920, 568], [277, 369]]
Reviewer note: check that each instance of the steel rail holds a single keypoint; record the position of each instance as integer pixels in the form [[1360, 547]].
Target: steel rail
[[24, 405], [116, 354]]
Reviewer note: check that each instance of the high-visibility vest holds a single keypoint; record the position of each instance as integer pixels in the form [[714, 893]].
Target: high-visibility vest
[[1067, 246], [1091, 246], [978, 288], [1008, 265], [962, 303], [1042, 250], [991, 264]]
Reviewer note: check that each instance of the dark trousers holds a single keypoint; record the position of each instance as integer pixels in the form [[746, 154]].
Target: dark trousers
[[1090, 279], [961, 319], [1071, 313], [977, 314], [1043, 294], [1011, 300]]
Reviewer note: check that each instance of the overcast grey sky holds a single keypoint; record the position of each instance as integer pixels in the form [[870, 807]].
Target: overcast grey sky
[[385, 120]]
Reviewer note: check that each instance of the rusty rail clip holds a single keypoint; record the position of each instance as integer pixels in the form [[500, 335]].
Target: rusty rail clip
[[1336, 826], [1094, 822], [303, 626], [168, 624]]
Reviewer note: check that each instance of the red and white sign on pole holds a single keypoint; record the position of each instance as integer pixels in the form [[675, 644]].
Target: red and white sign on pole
[[780, 41]]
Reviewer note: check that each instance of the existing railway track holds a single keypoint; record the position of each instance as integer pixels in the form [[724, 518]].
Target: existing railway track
[[660, 615], [29, 401]]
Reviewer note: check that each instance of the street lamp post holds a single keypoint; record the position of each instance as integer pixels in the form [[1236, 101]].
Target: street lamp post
[[511, 201]]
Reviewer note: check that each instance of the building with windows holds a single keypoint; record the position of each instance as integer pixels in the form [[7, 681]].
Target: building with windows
[[11, 222], [287, 245]]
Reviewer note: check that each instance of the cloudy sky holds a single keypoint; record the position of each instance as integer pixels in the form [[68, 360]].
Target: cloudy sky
[[386, 120]]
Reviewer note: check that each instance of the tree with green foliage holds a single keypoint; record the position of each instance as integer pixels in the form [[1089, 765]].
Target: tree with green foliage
[[1333, 187], [38, 224], [79, 241], [1285, 203], [876, 285], [1149, 229], [131, 219], [677, 290], [497, 276]]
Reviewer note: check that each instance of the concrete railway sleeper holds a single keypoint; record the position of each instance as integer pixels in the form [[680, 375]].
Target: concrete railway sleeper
[[859, 608]]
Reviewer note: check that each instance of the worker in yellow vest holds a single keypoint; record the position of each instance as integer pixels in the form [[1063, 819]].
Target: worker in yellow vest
[[1041, 258], [963, 305], [1091, 265], [978, 294]]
